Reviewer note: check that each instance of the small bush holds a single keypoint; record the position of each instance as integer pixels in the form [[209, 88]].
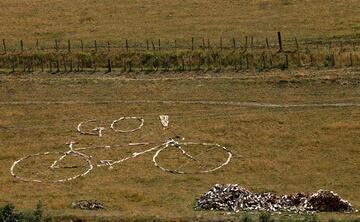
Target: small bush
[[8, 214], [265, 217], [38, 213], [311, 218], [328, 62], [247, 218]]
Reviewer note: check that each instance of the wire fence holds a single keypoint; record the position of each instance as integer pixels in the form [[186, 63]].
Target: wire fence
[[196, 54], [195, 43]]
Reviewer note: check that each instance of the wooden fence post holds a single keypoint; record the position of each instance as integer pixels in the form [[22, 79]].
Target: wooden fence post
[[159, 45], [37, 45], [95, 65], [56, 46], [129, 64], [192, 43], [12, 65], [50, 66], [31, 64], [71, 65], [124, 65], [190, 63], [298, 58], [82, 45], [42, 64], [307, 47], [95, 46], [57, 65], [153, 45], [340, 59], [351, 59], [69, 46], [297, 44], [267, 43], [27, 65], [235, 64], [220, 62], [109, 65], [246, 42], [64, 60], [247, 61], [341, 46], [234, 43], [4, 45], [221, 44], [252, 43], [241, 62], [78, 64], [127, 45], [280, 42], [21, 45], [24, 64], [263, 60]]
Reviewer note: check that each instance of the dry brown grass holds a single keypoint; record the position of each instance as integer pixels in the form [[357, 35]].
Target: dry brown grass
[[281, 150], [144, 19]]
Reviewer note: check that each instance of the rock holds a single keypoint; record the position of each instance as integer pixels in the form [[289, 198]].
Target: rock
[[325, 200], [232, 197], [88, 205]]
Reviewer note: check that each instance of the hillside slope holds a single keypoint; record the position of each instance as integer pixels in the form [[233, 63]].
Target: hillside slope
[[141, 19]]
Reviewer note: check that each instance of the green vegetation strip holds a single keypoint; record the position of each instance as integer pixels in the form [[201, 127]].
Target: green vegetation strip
[[178, 60], [9, 214]]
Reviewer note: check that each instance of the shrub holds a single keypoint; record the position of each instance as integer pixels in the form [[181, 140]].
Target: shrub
[[264, 217], [247, 218], [8, 214], [311, 218]]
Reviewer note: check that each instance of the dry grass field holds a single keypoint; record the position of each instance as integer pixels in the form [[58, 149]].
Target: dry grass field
[[109, 20], [284, 150], [278, 149]]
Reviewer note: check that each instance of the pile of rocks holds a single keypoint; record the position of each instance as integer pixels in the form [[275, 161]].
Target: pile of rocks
[[88, 205], [232, 197]]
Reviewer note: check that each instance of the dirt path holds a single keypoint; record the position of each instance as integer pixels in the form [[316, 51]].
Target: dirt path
[[190, 102]]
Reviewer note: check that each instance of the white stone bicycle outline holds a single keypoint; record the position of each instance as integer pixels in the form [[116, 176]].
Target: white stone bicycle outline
[[172, 142]]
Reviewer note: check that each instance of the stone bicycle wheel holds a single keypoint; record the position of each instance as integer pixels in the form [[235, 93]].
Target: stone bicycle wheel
[[37, 167], [192, 158], [139, 119]]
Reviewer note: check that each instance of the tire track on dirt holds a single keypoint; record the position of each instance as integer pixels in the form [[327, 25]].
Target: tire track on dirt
[[184, 102]]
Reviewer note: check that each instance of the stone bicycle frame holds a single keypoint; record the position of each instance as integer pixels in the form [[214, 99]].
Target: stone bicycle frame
[[171, 142]]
